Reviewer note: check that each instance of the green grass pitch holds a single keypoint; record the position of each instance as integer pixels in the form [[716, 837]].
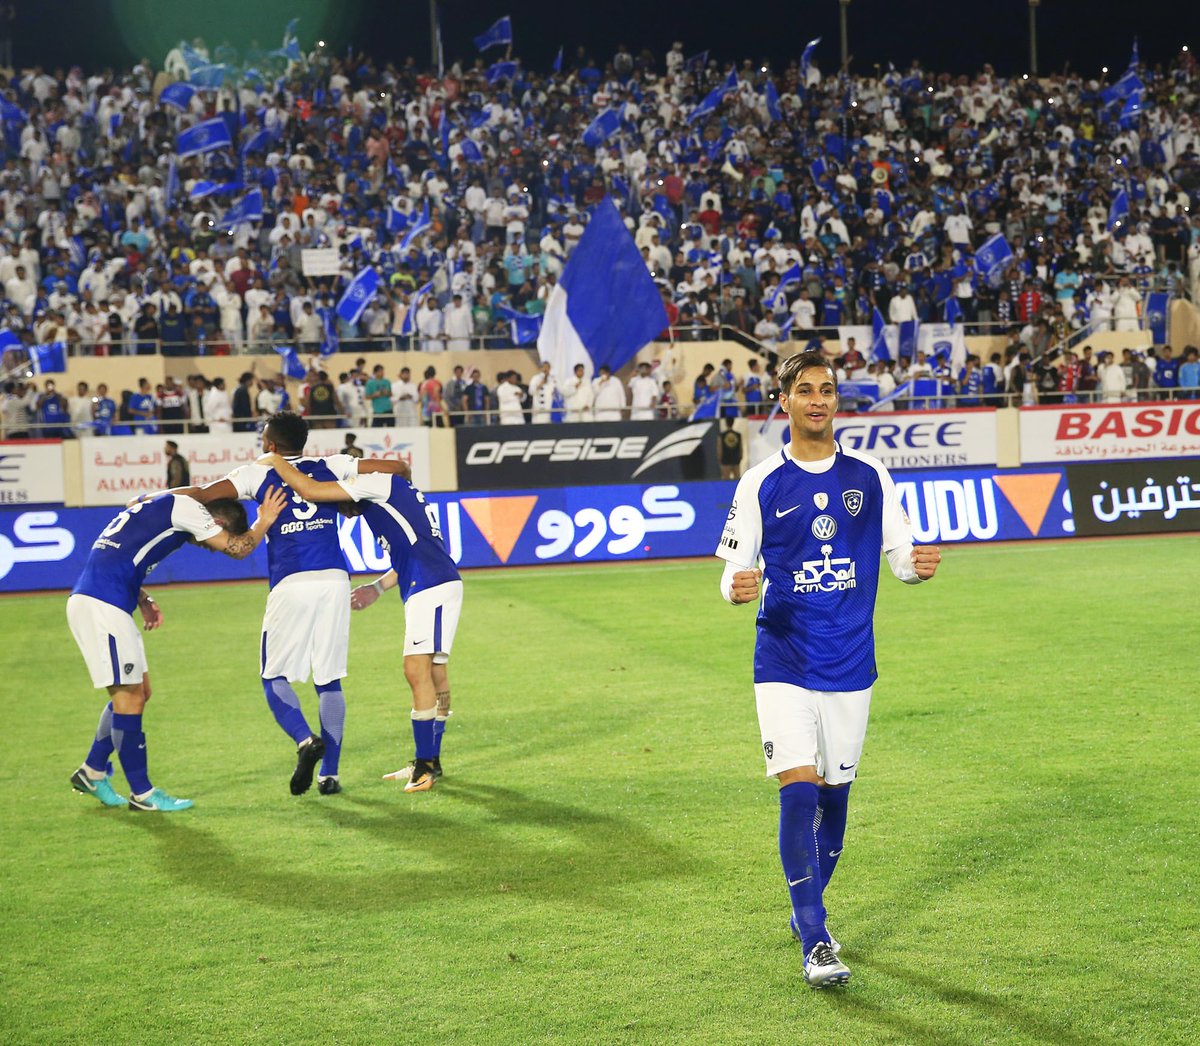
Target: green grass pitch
[[599, 864]]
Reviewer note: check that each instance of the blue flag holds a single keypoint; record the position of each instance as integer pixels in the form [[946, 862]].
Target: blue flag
[[210, 76], [179, 95], [471, 151], [708, 104], [523, 328], [708, 406], [818, 169], [11, 113], [422, 225], [499, 35], [261, 140], [907, 341], [202, 188], [786, 279], [556, 65], [806, 58], [290, 362], [879, 345], [358, 295], [1131, 111], [329, 334], [1157, 307], [606, 306], [991, 258], [772, 95], [1129, 83], [501, 71], [172, 187], [48, 359], [1118, 212], [203, 138], [600, 129], [248, 209], [952, 312], [696, 63], [397, 220], [409, 324]]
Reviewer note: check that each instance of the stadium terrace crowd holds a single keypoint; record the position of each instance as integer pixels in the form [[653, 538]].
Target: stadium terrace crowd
[[871, 192]]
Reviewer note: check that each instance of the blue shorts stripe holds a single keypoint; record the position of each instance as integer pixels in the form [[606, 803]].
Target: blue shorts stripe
[[262, 657], [116, 662], [437, 631]]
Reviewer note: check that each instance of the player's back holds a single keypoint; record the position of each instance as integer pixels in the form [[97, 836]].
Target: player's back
[[406, 526], [305, 536], [134, 542]]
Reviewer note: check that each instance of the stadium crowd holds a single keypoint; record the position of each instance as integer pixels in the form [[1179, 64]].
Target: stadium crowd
[[873, 192]]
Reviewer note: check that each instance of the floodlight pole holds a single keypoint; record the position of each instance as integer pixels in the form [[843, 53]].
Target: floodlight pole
[[1033, 6], [842, 7]]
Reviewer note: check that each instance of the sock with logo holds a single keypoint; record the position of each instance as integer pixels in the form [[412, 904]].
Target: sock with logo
[[423, 731], [333, 720], [285, 707], [831, 828], [130, 744], [439, 728], [798, 852], [102, 744]]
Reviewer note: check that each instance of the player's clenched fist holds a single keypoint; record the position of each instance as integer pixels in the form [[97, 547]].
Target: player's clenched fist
[[745, 586], [925, 560], [363, 596]]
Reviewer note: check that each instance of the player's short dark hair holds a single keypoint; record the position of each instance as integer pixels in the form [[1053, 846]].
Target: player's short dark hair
[[231, 514], [288, 430], [794, 366]]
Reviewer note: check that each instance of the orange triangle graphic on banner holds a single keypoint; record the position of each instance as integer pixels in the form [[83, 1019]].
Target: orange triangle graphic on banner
[[500, 520], [1030, 495]]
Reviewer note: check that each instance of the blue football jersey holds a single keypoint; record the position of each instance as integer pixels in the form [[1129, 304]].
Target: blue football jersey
[[305, 536], [135, 542], [406, 526], [816, 529]]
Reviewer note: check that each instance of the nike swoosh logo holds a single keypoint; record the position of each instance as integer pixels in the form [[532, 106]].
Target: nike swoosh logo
[[797, 882], [141, 746], [843, 766], [780, 515], [834, 853], [419, 642]]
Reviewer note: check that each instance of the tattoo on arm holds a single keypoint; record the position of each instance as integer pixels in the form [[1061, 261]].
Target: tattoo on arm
[[241, 546]]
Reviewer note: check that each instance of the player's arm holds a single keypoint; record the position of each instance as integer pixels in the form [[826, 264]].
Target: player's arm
[[363, 596], [239, 546], [741, 540], [313, 490], [152, 615], [389, 466], [221, 489], [911, 563]]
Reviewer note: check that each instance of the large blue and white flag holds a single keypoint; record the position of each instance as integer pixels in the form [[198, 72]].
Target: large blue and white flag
[[248, 209], [397, 220], [329, 334], [499, 35], [358, 295], [1129, 83], [291, 42], [991, 258], [501, 71], [203, 138], [210, 76], [708, 104], [8, 340], [906, 338], [879, 344], [409, 324], [602, 128], [952, 311], [1131, 111], [260, 140], [523, 328], [202, 188], [422, 225], [48, 359], [1118, 212], [471, 151], [1158, 304], [178, 94], [290, 362], [806, 59], [774, 112], [786, 279], [606, 306]]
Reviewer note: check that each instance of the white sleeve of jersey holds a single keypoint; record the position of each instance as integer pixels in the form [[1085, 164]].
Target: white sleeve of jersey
[[343, 466], [247, 479], [188, 515], [742, 537], [897, 532], [367, 486]]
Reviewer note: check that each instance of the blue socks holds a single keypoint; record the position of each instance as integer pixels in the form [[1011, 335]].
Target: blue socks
[[130, 744], [285, 707], [831, 828], [333, 721], [439, 728], [102, 745], [423, 734], [798, 852]]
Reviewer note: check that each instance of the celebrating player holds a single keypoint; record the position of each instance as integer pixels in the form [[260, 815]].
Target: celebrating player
[[809, 523], [430, 587], [100, 613]]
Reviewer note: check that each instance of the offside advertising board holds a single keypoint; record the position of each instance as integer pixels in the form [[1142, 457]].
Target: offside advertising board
[[1136, 497], [46, 548], [31, 472], [1110, 432], [504, 456], [929, 439], [117, 469]]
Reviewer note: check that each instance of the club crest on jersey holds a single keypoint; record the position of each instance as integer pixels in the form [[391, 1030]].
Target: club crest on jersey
[[853, 500], [768, 748], [826, 574], [821, 500], [824, 527], [128, 668]]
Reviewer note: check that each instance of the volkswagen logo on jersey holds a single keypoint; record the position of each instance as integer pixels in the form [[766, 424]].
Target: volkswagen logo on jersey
[[853, 500], [825, 575], [821, 500], [824, 528]]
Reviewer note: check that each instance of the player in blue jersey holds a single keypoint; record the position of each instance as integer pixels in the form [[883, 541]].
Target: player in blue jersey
[[809, 523], [306, 626], [406, 526], [100, 613]]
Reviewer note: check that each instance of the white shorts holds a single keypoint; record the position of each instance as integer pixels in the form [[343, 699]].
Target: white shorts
[[306, 628], [431, 619], [820, 728], [109, 640]]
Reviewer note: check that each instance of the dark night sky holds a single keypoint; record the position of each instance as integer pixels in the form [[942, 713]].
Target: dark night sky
[[958, 37]]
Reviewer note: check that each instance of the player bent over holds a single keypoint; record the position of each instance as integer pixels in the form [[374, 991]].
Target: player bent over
[[809, 524], [430, 586], [100, 614]]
